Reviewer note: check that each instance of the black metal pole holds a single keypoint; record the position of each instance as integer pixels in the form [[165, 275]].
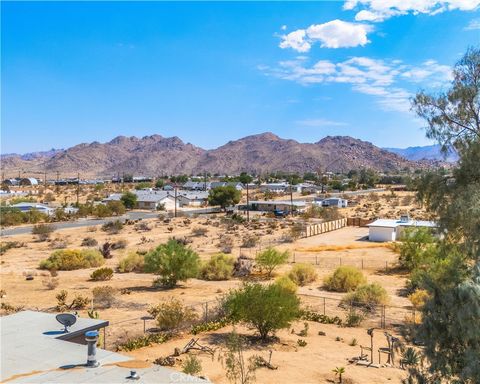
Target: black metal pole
[[248, 205]]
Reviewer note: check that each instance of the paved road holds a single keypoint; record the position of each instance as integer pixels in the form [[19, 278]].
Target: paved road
[[133, 215]]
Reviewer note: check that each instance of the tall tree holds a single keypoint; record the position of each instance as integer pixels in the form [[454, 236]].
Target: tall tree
[[450, 325]]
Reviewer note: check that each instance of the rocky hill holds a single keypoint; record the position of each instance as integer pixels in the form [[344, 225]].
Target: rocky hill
[[156, 155], [427, 152]]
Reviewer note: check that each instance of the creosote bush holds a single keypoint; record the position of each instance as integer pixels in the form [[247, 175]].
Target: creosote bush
[[271, 258], [172, 315], [302, 274], [219, 267], [102, 274], [191, 365], [43, 231], [89, 242], [71, 259], [133, 262], [249, 241], [226, 244], [112, 227], [285, 282], [367, 296], [344, 279]]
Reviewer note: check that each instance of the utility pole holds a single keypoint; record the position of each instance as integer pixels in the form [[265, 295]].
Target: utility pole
[[291, 196], [45, 178], [248, 205], [123, 181], [175, 199], [205, 181], [58, 186], [78, 187]]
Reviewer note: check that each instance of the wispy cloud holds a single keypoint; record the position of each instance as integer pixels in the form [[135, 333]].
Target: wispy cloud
[[473, 25], [333, 34], [378, 78], [380, 10], [317, 123]]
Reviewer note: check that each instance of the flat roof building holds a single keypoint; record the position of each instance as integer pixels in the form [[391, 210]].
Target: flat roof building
[[383, 230]]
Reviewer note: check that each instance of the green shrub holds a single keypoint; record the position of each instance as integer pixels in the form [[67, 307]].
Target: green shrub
[[191, 365], [173, 261], [418, 247], [267, 308], [286, 283], [353, 318], [102, 274], [309, 315], [210, 326], [271, 258], [143, 341], [104, 296], [367, 296], [5, 246], [133, 262], [219, 267], [250, 241], [172, 315], [70, 259], [344, 279], [302, 274]]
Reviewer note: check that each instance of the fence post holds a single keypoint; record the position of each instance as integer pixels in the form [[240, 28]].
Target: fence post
[[362, 263], [324, 306], [316, 260], [206, 311], [340, 261], [104, 338], [294, 257], [386, 266]]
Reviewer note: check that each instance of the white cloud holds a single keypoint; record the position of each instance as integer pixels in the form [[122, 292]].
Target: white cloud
[[473, 25], [333, 34], [317, 123], [380, 10], [368, 76], [283, 27]]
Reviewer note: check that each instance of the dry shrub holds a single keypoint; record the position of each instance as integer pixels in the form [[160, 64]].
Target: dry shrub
[[302, 274], [102, 274], [199, 231], [59, 244], [344, 279], [119, 244], [226, 243], [219, 267], [367, 296], [89, 242], [50, 282], [133, 262], [104, 296], [43, 231], [172, 315], [250, 241]]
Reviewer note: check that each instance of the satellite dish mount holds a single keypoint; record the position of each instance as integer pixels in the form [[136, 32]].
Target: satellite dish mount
[[67, 320]]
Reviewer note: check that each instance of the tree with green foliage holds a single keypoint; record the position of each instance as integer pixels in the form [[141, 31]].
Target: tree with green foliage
[[267, 308], [450, 327], [245, 178], [129, 200], [224, 196], [271, 258], [173, 261], [143, 185], [159, 183], [417, 248]]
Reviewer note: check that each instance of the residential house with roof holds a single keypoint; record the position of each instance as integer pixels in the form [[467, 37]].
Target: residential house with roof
[[383, 230]]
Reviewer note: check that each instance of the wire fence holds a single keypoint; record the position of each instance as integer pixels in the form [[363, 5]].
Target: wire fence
[[376, 316]]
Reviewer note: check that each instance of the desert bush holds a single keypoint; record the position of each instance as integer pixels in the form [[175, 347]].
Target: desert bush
[[310, 315], [43, 231], [89, 242], [50, 282], [142, 227], [295, 231], [367, 296], [92, 229], [104, 296], [191, 365], [418, 298], [267, 308], [250, 241], [102, 274], [219, 267], [285, 282], [199, 231], [302, 274], [106, 250], [172, 315], [59, 244], [78, 302], [226, 243], [5, 246], [133, 262], [112, 227], [119, 244], [344, 279], [70, 259], [418, 248], [173, 262], [353, 318], [271, 258], [143, 341]]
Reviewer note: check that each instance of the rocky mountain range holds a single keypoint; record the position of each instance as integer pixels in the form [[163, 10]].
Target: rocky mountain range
[[157, 155], [427, 152]]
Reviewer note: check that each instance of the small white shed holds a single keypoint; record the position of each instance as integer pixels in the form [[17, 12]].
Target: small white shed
[[384, 230]]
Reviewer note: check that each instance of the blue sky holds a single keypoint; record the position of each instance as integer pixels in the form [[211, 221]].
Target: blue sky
[[213, 72]]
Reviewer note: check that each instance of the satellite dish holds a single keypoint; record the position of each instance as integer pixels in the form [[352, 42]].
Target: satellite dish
[[66, 319]]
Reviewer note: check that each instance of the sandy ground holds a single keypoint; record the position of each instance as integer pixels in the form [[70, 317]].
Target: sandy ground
[[310, 364]]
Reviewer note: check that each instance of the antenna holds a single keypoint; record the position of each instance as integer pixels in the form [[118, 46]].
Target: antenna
[[66, 319]]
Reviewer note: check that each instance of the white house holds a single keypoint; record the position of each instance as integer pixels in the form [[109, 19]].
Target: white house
[[192, 198], [275, 187], [149, 199], [26, 207], [332, 202], [238, 186], [383, 230]]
